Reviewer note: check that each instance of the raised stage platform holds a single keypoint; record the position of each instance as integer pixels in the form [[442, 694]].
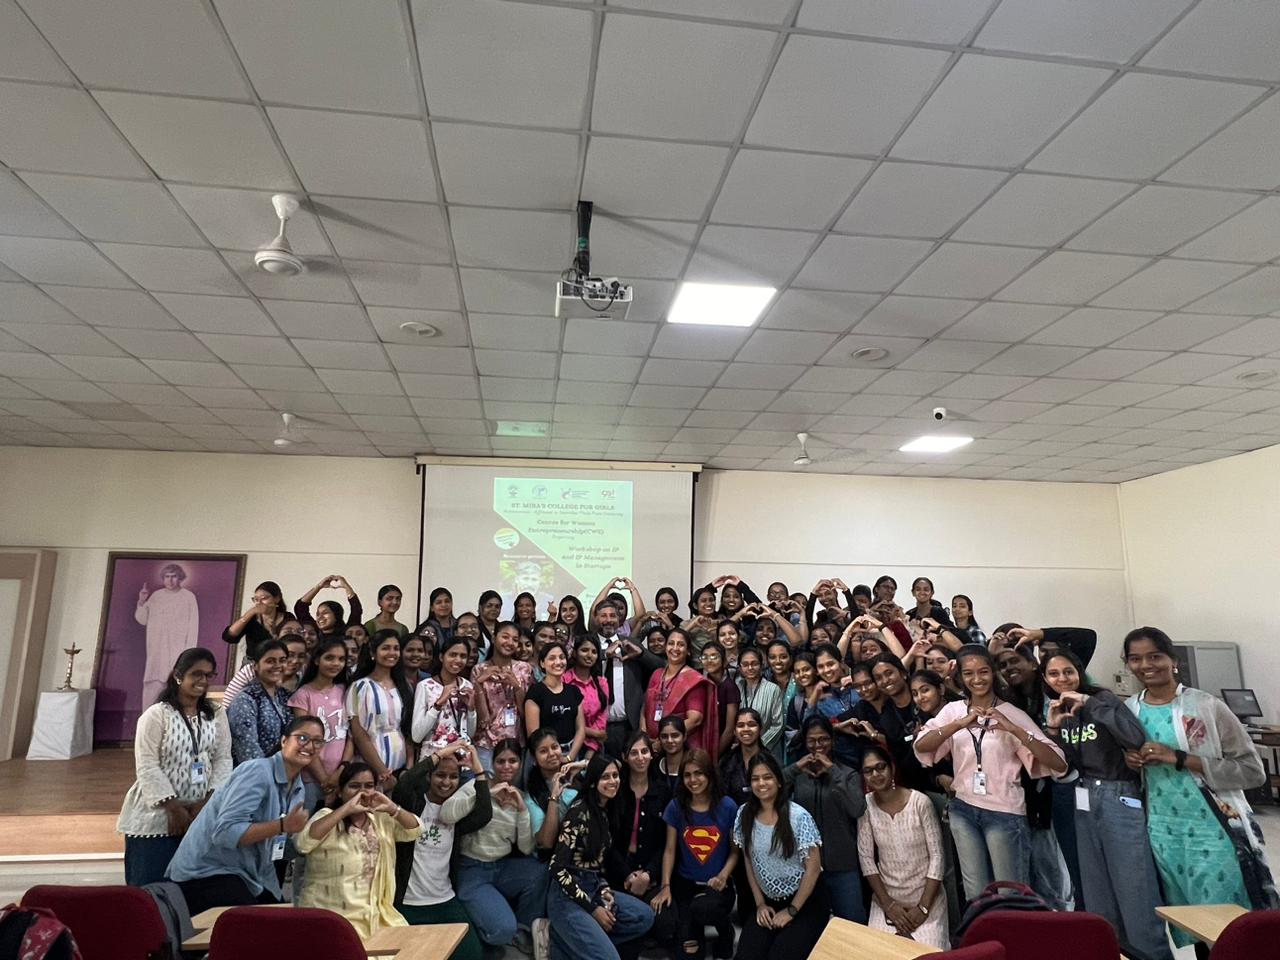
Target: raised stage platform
[[63, 809]]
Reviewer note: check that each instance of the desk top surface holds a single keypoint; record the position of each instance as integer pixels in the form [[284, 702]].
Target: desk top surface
[[427, 942], [1203, 921], [843, 939]]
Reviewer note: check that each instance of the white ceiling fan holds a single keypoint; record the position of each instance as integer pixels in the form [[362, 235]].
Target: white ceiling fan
[[277, 256], [289, 434], [803, 459]]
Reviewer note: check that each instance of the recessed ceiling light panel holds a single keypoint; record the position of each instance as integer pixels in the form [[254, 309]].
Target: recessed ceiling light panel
[[720, 304], [933, 443], [521, 428]]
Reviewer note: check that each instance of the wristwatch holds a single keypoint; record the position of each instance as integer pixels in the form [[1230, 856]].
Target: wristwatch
[[1180, 759], [923, 909], [791, 909]]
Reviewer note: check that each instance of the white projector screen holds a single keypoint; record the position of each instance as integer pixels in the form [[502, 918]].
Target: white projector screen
[[553, 532]]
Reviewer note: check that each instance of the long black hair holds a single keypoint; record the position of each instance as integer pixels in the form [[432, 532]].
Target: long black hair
[[1086, 687], [186, 660], [535, 782], [784, 838], [587, 807], [313, 662], [364, 667], [579, 625], [715, 790]]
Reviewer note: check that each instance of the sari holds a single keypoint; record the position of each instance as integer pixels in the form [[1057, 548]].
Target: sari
[[687, 690]]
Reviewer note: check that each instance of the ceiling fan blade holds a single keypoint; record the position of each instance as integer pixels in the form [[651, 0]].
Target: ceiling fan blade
[[341, 216]]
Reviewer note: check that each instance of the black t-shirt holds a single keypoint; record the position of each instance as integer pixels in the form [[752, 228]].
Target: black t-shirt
[[559, 711]]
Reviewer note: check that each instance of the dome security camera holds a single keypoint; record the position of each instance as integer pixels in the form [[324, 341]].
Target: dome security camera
[[939, 413]]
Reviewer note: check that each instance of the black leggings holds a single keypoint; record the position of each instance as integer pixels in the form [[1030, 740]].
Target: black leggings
[[796, 939], [698, 907], [222, 890]]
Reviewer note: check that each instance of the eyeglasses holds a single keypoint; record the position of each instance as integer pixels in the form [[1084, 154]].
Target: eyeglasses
[[306, 739], [201, 674], [1138, 659], [880, 767]]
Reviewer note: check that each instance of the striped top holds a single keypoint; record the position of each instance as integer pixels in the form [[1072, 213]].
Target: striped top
[[378, 710]]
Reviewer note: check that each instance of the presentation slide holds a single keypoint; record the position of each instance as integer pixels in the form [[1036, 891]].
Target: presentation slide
[[554, 533]]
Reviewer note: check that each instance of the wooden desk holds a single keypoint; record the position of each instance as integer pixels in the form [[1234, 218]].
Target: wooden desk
[[1204, 921], [426, 942], [843, 939]]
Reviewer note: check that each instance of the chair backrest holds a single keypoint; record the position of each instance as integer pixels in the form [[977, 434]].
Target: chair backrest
[[1046, 936], [245, 932], [988, 950], [109, 923], [1251, 935]]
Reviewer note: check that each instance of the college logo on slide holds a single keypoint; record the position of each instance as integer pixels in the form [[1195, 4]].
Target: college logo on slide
[[702, 841], [506, 538]]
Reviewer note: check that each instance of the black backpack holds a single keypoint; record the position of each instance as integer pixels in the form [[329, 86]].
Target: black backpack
[[1022, 897], [34, 933]]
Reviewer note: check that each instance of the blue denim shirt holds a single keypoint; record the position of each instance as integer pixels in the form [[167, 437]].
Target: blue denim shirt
[[258, 791]]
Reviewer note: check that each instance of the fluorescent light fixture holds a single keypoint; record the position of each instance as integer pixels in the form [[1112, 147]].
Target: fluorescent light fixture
[[521, 428], [720, 304], [934, 444]]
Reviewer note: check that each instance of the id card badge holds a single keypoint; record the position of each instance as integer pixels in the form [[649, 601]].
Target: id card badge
[[1082, 798], [979, 783], [657, 714], [509, 716], [277, 847], [199, 775]]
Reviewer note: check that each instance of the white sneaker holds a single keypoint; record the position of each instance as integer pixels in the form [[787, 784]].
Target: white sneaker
[[540, 929]]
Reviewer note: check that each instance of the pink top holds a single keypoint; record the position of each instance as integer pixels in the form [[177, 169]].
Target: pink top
[[504, 717], [1003, 757], [330, 706], [595, 708]]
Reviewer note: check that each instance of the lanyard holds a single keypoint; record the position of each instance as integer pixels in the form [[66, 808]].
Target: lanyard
[[193, 731], [664, 687], [977, 741]]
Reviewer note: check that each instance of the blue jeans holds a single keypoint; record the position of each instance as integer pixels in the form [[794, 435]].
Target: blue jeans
[[1049, 876], [845, 889], [1064, 827], [488, 891], [1117, 872], [147, 858], [575, 934], [991, 846]]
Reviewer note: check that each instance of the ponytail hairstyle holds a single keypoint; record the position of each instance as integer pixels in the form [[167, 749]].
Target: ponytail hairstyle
[[186, 660], [784, 837]]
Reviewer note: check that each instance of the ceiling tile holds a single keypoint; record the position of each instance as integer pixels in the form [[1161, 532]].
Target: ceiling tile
[[913, 316], [1040, 211], [1111, 364], [967, 270], [320, 321], [292, 379], [1248, 340], [911, 383], [1239, 156], [623, 177], [504, 63], [324, 53], [113, 44], [234, 348], [767, 376], [60, 261], [229, 397], [435, 408], [861, 263], [1170, 284], [818, 311], [512, 239], [1156, 219], [586, 392], [1068, 277], [1185, 368], [244, 220], [856, 95], [22, 212], [773, 188], [440, 385], [515, 363], [1224, 38], [608, 337], [512, 410], [68, 390], [748, 255], [681, 373], [147, 393], [405, 285], [397, 231], [706, 343], [835, 379], [1003, 322], [980, 386], [366, 382], [916, 199], [204, 141], [499, 331], [174, 269], [785, 346], [638, 248], [508, 291], [420, 359], [337, 354], [1141, 124], [896, 349], [699, 418], [953, 355], [518, 390], [1093, 326], [62, 130], [209, 314], [116, 209], [1249, 237], [73, 338], [900, 19], [660, 395], [110, 369], [24, 54], [1054, 390], [357, 155], [581, 366], [1032, 360], [510, 168], [1256, 293], [160, 344], [996, 111], [1090, 29], [452, 329], [24, 303], [1122, 394], [724, 64]]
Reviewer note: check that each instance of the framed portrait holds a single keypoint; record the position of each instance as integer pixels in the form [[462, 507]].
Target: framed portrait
[[154, 606]]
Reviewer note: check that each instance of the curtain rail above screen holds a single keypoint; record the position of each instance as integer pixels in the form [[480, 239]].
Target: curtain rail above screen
[[534, 463]]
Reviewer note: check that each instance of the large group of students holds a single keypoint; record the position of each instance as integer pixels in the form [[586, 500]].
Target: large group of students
[[591, 783]]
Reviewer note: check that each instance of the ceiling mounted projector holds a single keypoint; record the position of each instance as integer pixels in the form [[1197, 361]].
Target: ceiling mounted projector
[[579, 295], [277, 257]]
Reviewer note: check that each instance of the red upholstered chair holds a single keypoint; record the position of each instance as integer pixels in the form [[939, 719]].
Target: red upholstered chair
[[247, 933], [979, 951], [109, 923], [1045, 935], [1249, 937]]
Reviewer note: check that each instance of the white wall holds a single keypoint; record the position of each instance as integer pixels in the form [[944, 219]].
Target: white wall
[[297, 518], [1202, 545], [1042, 554]]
